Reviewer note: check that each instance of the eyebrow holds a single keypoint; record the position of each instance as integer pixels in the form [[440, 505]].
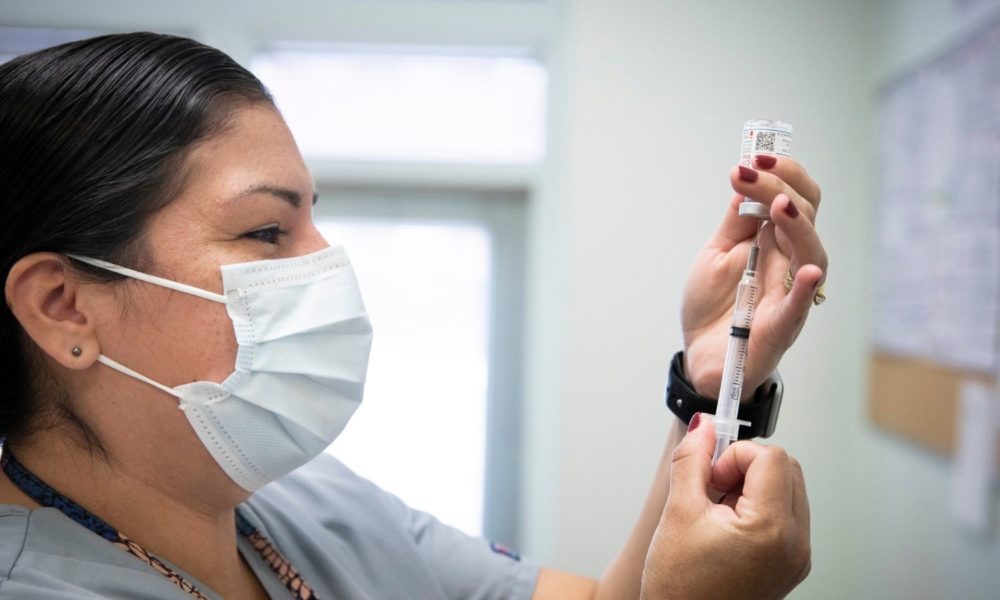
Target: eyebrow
[[288, 195]]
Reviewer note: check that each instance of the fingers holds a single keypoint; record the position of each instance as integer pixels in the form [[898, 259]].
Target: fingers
[[804, 242], [764, 187], [764, 472], [800, 514], [727, 473], [730, 499], [781, 330], [770, 504], [799, 299], [800, 501], [691, 466], [774, 175], [792, 173]]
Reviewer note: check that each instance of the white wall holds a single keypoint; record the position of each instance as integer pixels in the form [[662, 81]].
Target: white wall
[[652, 96]]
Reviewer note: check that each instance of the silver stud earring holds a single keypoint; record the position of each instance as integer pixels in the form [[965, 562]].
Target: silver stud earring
[[76, 351]]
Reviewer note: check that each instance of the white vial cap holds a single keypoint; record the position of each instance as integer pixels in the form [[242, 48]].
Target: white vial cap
[[749, 208]]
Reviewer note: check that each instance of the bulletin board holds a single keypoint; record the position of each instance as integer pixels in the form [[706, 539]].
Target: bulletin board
[[936, 275]]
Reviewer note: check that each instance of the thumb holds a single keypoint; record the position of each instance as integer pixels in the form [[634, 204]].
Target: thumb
[[691, 465]]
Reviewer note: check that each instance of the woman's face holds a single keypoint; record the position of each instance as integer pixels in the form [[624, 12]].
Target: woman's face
[[247, 196]]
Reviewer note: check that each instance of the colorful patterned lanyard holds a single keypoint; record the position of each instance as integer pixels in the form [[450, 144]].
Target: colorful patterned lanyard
[[45, 495]]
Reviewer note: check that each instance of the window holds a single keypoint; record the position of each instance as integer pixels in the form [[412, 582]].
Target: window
[[440, 261], [403, 106], [427, 290], [442, 276]]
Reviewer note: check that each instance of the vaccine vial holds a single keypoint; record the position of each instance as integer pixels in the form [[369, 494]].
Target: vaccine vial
[[761, 136]]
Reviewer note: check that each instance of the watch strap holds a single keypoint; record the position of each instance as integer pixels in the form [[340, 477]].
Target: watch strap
[[761, 411]]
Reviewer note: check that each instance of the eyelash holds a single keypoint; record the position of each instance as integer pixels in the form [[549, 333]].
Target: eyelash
[[268, 235]]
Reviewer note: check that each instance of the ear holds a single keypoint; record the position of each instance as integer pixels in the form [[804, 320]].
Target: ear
[[47, 303]]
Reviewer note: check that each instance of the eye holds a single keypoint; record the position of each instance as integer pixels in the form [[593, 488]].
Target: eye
[[269, 235]]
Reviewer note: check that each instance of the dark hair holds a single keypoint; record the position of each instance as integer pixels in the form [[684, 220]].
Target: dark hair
[[92, 138]]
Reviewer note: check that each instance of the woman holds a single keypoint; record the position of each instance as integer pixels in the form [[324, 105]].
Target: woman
[[158, 231]]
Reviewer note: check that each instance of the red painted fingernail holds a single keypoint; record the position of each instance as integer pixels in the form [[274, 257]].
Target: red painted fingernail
[[748, 175], [790, 209], [694, 422], [765, 161]]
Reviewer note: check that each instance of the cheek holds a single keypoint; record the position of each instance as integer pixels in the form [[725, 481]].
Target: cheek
[[206, 342], [174, 338]]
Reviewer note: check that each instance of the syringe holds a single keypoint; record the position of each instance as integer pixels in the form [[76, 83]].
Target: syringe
[[760, 136], [726, 424]]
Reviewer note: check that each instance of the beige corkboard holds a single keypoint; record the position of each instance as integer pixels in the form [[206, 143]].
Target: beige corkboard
[[917, 399]]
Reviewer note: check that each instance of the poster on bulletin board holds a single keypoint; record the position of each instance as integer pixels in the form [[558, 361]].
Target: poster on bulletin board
[[936, 272]]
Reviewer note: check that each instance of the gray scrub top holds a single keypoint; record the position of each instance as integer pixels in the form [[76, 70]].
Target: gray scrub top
[[348, 538]]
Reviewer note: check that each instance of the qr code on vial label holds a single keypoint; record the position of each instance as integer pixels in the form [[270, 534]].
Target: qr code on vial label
[[765, 141]]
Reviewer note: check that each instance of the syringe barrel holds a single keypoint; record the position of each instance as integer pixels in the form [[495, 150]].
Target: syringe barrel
[[732, 379], [746, 301], [731, 390]]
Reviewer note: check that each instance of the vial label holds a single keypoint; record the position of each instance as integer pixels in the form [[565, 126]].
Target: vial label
[[765, 137]]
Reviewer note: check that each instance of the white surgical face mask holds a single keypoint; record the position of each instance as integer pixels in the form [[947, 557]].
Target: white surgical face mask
[[304, 340]]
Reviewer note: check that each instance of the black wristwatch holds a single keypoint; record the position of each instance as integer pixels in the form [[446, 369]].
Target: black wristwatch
[[761, 411]]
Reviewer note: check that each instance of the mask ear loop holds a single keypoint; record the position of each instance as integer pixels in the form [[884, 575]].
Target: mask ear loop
[[160, 281], [117, 366]]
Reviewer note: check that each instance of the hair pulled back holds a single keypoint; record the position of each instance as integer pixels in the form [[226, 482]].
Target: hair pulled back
[[92, 139]]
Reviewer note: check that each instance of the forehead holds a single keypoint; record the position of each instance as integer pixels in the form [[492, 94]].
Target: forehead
[[255, 149]]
